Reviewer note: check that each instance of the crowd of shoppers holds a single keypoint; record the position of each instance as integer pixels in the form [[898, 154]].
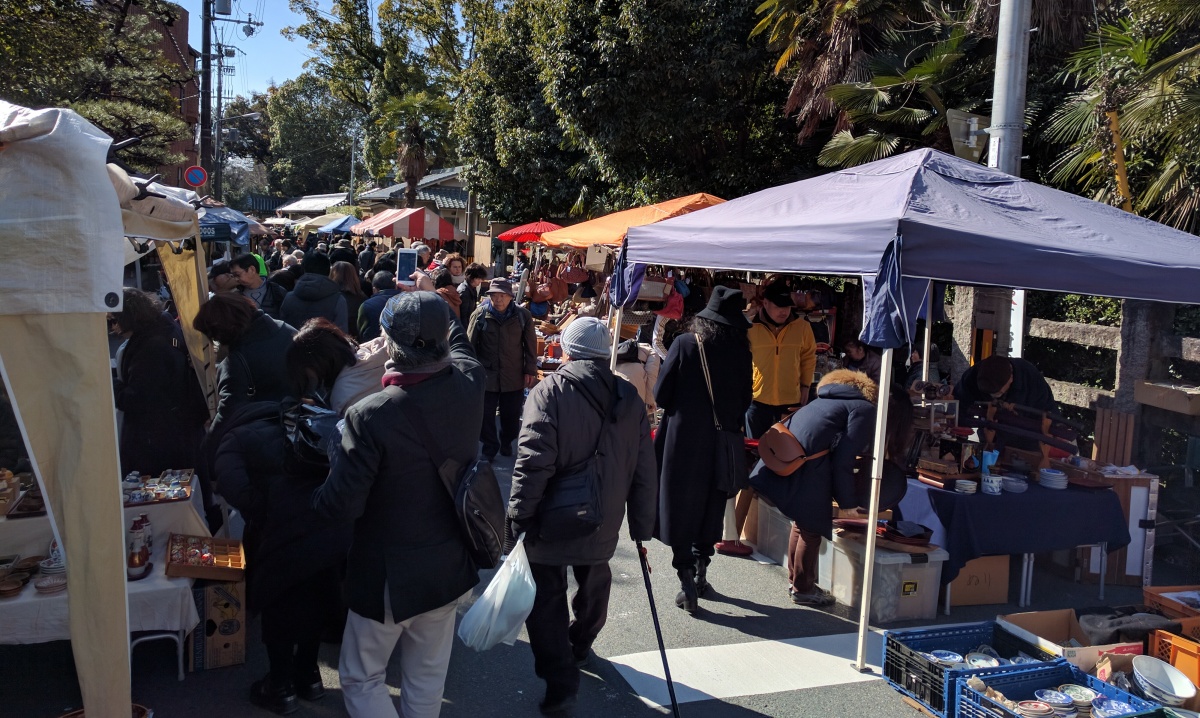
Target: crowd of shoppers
[[434, 371]]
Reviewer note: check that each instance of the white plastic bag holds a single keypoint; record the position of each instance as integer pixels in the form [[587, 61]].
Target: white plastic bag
[[500, 612]]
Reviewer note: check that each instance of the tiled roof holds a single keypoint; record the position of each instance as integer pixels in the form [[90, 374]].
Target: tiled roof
[[397, 190]]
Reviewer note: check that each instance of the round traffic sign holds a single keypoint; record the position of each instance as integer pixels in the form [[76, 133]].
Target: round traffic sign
[[195, 175]]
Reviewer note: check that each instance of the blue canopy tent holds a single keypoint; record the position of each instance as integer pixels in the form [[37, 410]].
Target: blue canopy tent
[[225, 224], [921, 217], [339, 225]]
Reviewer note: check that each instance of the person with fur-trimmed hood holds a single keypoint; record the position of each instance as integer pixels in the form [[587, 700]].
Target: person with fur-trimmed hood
[[842, 420]]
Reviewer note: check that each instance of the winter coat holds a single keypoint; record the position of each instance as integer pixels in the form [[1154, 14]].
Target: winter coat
[[286, 540], [383, 478], [870, 365], [354, 302], [842, 419], [506, 345], [783, 361], [355, 383], [686, 437], [253, 369], [160, 396], [368, 314], [1029, 387], [643, 373], [470, 301], [272, 301], [560, 429], [315, 296], [366, 260]]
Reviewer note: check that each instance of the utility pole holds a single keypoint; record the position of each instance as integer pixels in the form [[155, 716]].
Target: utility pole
[[1008, 123], [353, 152], [206, 87], [218, 163]]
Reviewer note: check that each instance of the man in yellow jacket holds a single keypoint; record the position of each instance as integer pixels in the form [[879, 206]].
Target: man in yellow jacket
[[784, 359], [785, 355]]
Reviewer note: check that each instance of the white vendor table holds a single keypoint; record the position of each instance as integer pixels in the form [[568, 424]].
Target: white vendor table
[[156, 603]]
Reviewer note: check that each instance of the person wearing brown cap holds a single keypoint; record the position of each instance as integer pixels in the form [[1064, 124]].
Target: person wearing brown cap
[[504, 340], [1010, 379], [691, 506]]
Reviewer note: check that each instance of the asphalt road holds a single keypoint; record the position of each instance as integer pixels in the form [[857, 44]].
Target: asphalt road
[[749, 603]]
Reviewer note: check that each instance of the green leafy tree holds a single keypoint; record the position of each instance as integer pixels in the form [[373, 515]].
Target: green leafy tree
[[243, 177], [253, 137], [100, 59], [664, 97], [1145, 67], [310, 137], [508, 135]]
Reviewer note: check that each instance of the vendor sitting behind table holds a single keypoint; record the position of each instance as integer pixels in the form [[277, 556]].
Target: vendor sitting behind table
[[1010, 379]]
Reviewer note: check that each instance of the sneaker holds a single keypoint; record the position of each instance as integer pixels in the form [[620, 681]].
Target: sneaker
[[557, 700], [816, 598], [733, 548], [279, 699]]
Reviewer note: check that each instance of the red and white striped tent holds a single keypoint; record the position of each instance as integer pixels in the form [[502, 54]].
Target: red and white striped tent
[[417, 223]]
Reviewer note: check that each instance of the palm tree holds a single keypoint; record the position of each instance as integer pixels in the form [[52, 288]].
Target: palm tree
[[413, 162], [1147, 68]]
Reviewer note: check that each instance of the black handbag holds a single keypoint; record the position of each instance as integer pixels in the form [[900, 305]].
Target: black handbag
[[572, 507], [730, 473], [312, 431]]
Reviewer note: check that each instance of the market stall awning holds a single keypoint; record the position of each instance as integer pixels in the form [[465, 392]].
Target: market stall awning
[[339, 225], [611, 228], [531, 232], [957, 222], [317, 222], [278, 221], [417, 223], [225, 224]]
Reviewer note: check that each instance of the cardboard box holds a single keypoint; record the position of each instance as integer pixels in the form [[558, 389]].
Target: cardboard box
[[1059, 632], [1179, 399], [220, 638], [982, 581]]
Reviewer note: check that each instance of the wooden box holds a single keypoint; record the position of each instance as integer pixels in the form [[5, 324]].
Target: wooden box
[[1179, 399], [229, 558]]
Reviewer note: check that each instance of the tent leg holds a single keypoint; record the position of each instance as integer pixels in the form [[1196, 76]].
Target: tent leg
[[616, 339], [928, 332], [864, 619]]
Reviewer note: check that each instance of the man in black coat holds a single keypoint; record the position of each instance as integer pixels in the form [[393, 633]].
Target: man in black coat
[[315, 295], [408, 565], [502, 333], [384, 284], [570, 415]]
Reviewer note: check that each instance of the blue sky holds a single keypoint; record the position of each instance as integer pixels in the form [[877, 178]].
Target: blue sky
[[268, 56]]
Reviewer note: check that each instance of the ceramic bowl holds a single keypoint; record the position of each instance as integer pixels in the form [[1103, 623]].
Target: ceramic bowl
[[1162, 682]]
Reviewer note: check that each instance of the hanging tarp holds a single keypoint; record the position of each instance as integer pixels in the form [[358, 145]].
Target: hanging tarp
[[611, 228], [339, 225], [62, 272], [226, 224]]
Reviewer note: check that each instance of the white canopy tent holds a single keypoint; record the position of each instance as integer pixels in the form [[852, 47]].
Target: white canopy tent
[[922, 216]]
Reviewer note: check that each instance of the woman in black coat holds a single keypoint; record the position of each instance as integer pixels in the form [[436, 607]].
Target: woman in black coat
[[691, 509], [294, 556], [840, 420], [156, 389]]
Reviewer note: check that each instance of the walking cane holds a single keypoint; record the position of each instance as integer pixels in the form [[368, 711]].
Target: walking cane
[[662, 649]]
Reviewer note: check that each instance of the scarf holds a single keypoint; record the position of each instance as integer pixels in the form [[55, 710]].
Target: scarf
[[412, 377], [450, 294]]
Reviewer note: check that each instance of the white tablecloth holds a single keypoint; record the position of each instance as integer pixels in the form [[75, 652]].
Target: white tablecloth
[[156, 603]]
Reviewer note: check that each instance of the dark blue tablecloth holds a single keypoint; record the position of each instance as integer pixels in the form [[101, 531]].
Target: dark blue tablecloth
[[1035, 521]]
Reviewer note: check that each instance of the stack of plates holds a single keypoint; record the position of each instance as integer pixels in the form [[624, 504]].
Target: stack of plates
[[29, 563], [50, 567], [1034, 709], [10, 587], [1063, 704], [1053, 479], [947, 658], [1082, 696], [1105, 707], [1014, 486], [50, 584], [965, 487]]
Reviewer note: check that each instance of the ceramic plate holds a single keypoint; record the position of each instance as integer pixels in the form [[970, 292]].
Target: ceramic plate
[[981, 660]]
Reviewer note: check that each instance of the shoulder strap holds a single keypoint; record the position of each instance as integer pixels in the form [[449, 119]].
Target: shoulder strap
[[708, 383], [435, 450], [606, 417], [251, 390]]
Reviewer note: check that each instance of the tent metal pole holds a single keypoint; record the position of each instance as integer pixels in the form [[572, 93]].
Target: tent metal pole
[[864, 618], [616, 339], [928, 332]]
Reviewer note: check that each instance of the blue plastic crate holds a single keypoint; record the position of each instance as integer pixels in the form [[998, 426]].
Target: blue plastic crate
[[930, 683], [1020, 684]]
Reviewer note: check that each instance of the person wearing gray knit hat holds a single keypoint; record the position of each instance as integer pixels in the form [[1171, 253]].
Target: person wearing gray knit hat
[[586, 338]]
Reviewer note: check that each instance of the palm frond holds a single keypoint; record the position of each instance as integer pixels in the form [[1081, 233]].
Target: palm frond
[[846, 150], [905, 115], [859, 97]]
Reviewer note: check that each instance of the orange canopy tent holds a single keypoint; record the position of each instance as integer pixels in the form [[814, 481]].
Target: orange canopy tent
[[610, 229]]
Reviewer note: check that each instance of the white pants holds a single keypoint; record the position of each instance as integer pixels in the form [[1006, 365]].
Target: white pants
[[425, 644]]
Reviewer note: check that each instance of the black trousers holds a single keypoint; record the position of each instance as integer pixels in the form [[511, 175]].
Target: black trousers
[[556, 640], [292, 625], [712, 524], [760, 417], [509, 403]]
